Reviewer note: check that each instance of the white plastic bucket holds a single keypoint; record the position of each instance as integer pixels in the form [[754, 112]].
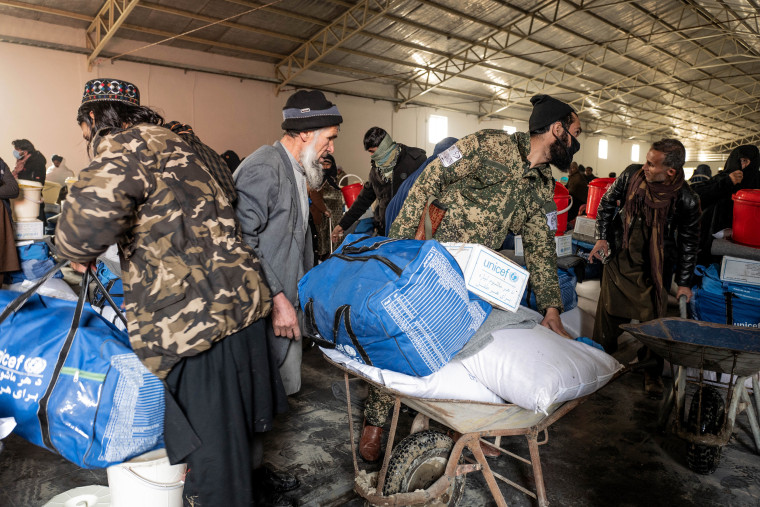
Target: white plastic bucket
[[147, 480], [27, 207]]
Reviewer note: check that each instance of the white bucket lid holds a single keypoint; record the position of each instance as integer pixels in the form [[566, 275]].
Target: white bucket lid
[[29, 184], [91, 496]]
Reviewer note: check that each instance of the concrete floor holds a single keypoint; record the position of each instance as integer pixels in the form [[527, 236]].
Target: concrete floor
[[606, 452]]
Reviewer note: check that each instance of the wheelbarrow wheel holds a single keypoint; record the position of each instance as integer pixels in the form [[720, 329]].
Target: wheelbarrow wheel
[[418, 461], [704, 459]]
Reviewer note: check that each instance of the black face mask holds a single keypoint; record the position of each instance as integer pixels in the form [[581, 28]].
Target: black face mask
[[561, 155]]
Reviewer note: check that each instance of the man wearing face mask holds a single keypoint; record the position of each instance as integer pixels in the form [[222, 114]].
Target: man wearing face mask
[[30, 163], [273, 209], [491, 182]]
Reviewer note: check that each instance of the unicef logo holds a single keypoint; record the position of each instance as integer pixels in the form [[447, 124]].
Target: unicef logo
[[348, 350], [35, 365], [513, 276]]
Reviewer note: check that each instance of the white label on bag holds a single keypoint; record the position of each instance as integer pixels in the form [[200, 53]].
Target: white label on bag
[[551, 220]]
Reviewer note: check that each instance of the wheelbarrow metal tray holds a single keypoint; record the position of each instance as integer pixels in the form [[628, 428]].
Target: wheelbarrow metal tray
[[702, 345], [471, 417]]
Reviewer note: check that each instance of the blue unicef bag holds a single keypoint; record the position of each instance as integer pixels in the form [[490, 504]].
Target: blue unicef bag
[[397, 304], [724, 302], [112, 283], [567, 283], [73, 383]]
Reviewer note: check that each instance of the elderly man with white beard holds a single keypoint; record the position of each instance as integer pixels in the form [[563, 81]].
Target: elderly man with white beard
[[273, 208]]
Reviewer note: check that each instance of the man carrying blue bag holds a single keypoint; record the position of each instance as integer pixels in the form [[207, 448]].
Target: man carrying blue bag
[[489, 183], [193, 290]]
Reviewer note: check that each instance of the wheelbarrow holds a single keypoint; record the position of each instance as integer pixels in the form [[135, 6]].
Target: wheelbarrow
[[428, 467], [705, 346]]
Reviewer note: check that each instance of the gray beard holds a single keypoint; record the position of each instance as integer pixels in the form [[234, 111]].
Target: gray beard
[[311, 165]]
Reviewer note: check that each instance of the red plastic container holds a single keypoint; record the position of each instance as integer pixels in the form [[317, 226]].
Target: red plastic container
[[596, 189], [747, 218], [563, 201], [350, 192]]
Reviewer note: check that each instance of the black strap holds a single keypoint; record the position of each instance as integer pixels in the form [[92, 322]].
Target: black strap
[[42, 413], [729, 307], [350, 249], [357, 241], [336, 321], [108, 297], [310, 327], [366, 258], [346, 310]]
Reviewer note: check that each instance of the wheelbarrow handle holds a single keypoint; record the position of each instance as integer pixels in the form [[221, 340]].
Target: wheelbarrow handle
[[682, 306]]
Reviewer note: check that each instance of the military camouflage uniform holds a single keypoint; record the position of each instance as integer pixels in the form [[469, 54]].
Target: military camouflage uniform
[[189, 279], [489, 188]]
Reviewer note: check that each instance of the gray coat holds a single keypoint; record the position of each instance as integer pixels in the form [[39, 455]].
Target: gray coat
[[271, 220]]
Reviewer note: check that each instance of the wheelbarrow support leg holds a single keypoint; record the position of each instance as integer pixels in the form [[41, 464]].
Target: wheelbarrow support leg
[[751, 414], [538, 475], [756, 392], [473, 443]]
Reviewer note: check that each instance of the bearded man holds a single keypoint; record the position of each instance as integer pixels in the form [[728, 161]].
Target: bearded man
[[651, 234], [490, 183], [273, 209]]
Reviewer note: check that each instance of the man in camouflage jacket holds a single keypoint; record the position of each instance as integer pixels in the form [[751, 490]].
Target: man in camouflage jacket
[[194, 293], [490, 183]]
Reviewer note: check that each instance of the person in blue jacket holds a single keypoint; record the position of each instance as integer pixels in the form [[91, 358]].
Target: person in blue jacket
[[394, 206]]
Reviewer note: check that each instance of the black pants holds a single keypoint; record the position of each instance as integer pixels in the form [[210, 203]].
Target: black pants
[[226, 394]]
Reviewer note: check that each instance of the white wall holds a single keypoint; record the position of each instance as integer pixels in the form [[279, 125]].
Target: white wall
[[41, 90]]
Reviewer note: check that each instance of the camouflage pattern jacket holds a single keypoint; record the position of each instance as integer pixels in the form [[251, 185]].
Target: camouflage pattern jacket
[[189, 279], [489, 188]]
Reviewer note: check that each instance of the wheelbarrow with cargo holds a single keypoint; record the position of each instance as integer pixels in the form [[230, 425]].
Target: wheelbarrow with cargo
[[428, 467]]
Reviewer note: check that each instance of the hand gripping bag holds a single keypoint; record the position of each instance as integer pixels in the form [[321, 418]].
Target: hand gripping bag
[[73, 383], [397, 304]]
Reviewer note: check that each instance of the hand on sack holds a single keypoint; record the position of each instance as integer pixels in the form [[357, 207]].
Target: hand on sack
[[337, 233], [601, 250], [284, 319], [553, 322], [736, 177]]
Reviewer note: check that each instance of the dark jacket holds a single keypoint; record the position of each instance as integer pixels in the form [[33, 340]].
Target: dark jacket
[[34, 168], [715, 195], [376, 188], [681, 231], [577, 185]]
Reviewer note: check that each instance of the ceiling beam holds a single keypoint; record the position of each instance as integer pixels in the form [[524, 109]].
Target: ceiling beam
[[326, 40], [102, 29]]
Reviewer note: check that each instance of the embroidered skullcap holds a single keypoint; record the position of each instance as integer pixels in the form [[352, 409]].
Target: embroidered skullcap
[[547, 110], [111, 89], [309, 110]]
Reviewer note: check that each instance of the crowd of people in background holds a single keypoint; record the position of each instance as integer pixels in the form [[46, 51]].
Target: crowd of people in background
[[218, 245]]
